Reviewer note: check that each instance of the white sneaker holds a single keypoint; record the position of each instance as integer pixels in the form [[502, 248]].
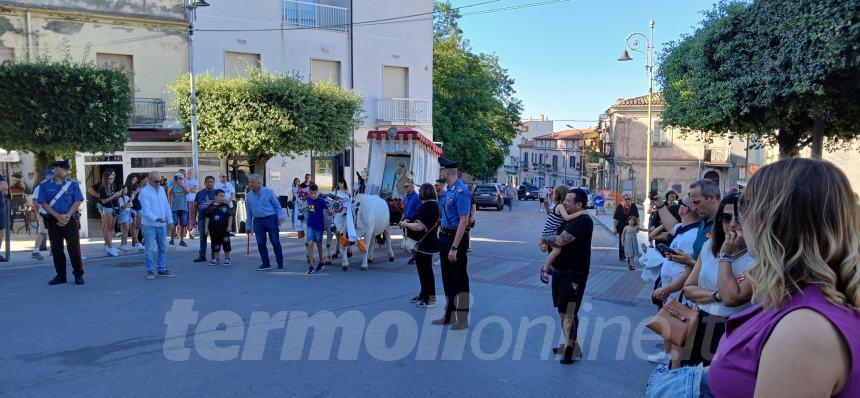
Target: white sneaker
[[661, 358], [112, 251], [126, 248], [139, 246]]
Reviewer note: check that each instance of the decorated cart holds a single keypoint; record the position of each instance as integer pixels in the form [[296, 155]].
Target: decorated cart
[[397, 156]]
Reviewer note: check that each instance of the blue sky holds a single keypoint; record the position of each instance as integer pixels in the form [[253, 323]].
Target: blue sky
[[563, 56]]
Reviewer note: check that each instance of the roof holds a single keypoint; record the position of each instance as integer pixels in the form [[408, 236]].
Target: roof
[[527, 144], [572, 134], [640, 101]]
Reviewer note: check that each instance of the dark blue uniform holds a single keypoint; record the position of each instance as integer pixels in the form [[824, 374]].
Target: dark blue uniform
[[68, 233], [456, 202]]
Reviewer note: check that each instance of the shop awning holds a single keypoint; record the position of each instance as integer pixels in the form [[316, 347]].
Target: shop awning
[[405, 135]]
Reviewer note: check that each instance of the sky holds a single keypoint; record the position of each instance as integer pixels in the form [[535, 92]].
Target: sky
[[563, 57]]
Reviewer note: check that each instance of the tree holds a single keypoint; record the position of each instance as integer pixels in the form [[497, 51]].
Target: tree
[[474, 110], [268, 114], [783, 71], [59, 108]]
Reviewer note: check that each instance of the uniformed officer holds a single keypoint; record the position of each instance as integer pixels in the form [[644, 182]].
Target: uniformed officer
[[61, 197], [453, 246]]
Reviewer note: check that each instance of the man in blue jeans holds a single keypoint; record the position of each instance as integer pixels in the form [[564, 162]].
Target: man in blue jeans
[[202, 200], [265, 213], [156, 218]]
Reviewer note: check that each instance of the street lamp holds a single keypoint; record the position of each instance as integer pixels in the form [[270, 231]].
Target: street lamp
[[191, 14], [635, 45]]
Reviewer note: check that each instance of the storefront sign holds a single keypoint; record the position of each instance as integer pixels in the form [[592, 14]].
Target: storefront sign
[[9, 156]]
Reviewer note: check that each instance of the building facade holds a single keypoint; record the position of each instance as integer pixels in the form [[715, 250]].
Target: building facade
[[559, 158], [388, 62], [514, 169]]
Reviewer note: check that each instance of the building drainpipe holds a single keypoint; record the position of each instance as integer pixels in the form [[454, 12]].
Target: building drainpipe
[[352, 87], [29, 28]]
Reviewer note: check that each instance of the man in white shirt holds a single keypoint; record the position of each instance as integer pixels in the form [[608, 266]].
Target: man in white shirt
[[542, 194], [672, 274], [42, 233], [156, 218], [193, 185], [228, 189]]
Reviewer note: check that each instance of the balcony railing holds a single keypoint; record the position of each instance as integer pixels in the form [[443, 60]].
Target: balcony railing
[[403, 110], [717, 156], [315, 16], [147, 113]]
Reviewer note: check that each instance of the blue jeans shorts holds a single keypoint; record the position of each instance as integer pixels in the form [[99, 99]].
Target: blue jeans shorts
[[125, 216], [180, 218], [314, 235]]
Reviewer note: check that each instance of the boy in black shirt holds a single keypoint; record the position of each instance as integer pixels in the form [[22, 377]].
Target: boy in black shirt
[[219, 216]]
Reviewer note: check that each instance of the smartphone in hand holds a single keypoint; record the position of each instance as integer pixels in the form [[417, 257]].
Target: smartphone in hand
[[664, 249]]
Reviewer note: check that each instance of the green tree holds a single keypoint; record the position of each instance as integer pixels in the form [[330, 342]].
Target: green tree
[[474, 109], [784, 71], [268, 114], [57, 108]]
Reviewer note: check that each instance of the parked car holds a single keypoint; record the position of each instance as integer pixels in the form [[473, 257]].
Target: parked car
[[527, 192], [489, 195]]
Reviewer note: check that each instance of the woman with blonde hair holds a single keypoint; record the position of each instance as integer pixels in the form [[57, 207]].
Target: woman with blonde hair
[[802, 338]]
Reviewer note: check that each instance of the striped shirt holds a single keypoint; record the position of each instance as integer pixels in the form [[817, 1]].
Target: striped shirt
[[553, 221]]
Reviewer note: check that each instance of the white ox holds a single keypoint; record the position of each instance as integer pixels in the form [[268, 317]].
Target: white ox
[[364, 217]]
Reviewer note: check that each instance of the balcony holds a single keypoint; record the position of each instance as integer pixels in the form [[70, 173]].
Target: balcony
[[718, 157], [147, 113], [315, 16], [403, 111]]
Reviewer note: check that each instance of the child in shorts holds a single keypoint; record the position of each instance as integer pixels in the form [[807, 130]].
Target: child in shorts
[[316, 207], [219, 217]]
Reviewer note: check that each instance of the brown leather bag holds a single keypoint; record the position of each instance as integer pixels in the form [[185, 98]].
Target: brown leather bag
[[675, 322]]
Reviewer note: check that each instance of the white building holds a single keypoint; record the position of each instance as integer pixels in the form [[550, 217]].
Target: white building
[[385, 58], [512, 171]]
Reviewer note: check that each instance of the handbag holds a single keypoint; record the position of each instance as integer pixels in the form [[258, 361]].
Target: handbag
[[410, 246], [675, 322]]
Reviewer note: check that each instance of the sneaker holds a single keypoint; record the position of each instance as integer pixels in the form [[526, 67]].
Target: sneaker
[[310, 270], [38, 256], [661, 358], [426, 304], [3, 259], [79, 280], [214, 261], [150, 275], [126, 248], [199, 259], [280, 267], [182, 243], [170, 242], [416, 300], [166, 274], [264, 268], [140, 246], [226, 261], [320, 267], [57, 280], [111, 251]]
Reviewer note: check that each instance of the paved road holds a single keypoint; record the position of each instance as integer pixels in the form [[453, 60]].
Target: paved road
[[123, 335]]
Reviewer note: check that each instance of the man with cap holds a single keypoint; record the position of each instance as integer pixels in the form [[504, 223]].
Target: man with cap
[[42, 234], [453, 246], [61, 197]]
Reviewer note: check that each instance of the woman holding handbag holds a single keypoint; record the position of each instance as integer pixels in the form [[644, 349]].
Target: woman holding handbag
[[422, 230]]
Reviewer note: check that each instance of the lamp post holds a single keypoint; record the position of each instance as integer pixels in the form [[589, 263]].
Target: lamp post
[[636, 45], [191, 13]]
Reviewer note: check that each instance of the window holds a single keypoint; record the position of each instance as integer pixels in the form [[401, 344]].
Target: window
[[238, 64], [677, 188], [554, 162], [540, 159], [572, 162], [395, 82], [325, 71], [526, 158], [658, 184], [118, 61], [7, 54], [660, 136]]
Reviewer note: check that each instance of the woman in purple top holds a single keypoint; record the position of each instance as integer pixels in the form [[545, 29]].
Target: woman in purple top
[[802, 339]]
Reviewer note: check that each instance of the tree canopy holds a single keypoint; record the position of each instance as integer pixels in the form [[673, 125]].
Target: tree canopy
[[474, 110], [781, 70], [268, 114], [56, 108]]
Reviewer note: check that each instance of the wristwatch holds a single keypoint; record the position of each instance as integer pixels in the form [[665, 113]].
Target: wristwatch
[[453, 247], [716, 300]]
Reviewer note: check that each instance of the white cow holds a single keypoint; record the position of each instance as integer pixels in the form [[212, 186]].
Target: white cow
[[367, 216]]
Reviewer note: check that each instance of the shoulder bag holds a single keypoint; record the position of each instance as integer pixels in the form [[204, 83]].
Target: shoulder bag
[[675, 322], [410, 246]]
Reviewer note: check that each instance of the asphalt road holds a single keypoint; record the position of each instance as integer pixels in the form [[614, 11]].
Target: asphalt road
[[231, 331]]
